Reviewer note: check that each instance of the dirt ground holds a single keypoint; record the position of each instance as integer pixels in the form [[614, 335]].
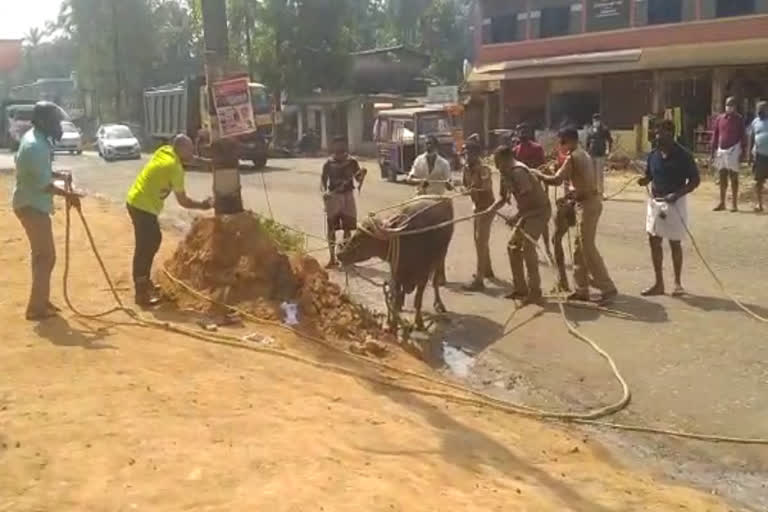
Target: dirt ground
[[104, 416]]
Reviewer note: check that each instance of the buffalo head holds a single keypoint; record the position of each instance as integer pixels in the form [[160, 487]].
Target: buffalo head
[[363, 245]]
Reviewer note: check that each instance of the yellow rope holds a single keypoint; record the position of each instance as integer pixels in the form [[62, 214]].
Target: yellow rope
[[475, 399]]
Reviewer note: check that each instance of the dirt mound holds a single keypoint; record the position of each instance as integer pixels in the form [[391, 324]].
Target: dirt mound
[[236, 260]]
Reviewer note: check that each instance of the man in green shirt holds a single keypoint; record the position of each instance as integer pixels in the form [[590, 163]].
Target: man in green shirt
[[163, 174], [33, 202]]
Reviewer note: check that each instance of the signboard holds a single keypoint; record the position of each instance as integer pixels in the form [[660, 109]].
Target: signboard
[[444, 94], [234, 111], [608, 15]]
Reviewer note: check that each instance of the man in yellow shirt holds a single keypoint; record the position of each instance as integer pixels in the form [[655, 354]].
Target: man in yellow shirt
[[163, 174]]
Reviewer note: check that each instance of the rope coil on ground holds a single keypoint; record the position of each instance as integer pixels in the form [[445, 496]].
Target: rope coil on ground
[[476, 398]]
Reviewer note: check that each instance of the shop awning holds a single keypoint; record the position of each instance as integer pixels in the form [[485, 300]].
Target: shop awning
[[731, 53]]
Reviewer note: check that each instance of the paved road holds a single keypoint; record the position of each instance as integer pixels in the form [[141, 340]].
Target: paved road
[[695, 363]]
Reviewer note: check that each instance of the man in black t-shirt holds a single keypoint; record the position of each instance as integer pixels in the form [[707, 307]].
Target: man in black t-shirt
[[673, 174], [337, 182]]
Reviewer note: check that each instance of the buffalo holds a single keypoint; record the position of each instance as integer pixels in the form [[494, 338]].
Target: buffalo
[[415, 252]]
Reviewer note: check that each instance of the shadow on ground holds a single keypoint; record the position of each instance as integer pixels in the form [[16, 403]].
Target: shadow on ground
[[471, 449], [59, 332], [708, 304]]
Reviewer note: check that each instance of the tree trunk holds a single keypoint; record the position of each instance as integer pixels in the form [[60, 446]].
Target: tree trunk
[[116, 61], [249, 46]]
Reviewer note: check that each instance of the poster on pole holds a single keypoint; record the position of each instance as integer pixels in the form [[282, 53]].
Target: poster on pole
[[234, 109]]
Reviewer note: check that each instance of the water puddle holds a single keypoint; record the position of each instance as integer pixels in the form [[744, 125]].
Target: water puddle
[[458, 361]]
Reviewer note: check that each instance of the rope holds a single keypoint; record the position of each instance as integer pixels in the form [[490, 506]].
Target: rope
[[714, 275], [621, 190], [65, 279], [266, 194], [475, 399]]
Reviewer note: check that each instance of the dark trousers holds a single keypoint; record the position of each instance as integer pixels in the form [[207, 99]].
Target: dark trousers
[[148, 237]]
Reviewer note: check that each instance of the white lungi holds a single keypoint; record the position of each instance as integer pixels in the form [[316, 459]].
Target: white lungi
[[667, 220], [728, 158]]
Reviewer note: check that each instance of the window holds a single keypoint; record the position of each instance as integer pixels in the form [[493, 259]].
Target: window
[[555, 21], [727, 8], [500, 29], [665, 11]]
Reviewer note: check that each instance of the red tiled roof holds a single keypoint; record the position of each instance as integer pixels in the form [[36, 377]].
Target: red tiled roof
[[10, 54]]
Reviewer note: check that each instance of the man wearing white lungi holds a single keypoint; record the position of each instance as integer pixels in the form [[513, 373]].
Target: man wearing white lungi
[[729, 143], [673, 174]]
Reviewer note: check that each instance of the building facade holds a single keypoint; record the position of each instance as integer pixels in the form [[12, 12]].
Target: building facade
[[550, 62]]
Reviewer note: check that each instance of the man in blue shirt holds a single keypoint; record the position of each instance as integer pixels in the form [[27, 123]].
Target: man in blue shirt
[[673, 174], [33, 202], [758, 156]]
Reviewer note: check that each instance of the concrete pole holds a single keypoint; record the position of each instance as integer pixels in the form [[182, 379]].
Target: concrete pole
[[324, 129], [226, 176], [300, 122]]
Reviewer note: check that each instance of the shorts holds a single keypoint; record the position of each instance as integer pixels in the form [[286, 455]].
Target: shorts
[[760, 168], [341, 211]]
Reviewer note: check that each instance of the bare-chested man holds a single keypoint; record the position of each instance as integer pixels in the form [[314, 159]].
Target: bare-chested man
[[533, 214]]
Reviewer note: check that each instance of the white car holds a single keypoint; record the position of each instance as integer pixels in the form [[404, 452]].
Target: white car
[[71, 139], [19, 122], [116, 141]]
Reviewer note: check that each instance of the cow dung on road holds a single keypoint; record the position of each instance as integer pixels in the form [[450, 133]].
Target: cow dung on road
[[243, 260]]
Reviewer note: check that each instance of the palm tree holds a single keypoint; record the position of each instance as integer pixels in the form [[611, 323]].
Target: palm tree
[[33, 38]]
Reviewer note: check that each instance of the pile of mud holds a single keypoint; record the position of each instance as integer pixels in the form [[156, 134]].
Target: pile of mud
[[235, 260]]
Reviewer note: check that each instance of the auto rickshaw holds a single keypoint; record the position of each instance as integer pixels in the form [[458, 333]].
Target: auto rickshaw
[[401, 135]]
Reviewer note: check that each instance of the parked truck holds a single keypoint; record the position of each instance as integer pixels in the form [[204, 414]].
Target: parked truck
[[186, 107]]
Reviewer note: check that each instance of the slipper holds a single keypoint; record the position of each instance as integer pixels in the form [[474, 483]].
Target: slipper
[[678, 292], [653, 291], [474, 287], [578, 297]]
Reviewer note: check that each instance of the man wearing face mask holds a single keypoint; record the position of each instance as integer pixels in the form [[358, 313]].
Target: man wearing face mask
[[163, 174], [430, 171], [759, 154], [599, 144], [728, 147], [33, 202]]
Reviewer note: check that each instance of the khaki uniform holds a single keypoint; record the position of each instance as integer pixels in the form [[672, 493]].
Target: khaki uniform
[[479, 181], [533, 214], [589, 267]]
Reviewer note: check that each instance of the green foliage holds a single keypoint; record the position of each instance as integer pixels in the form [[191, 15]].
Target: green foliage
[[120, 47], [285, 239]]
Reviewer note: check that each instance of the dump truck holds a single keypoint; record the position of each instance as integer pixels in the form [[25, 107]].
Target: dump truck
[[186, 107]]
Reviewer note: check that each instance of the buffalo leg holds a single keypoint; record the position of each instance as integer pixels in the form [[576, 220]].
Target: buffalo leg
[[438, 280], [395, 302], [418, 304]]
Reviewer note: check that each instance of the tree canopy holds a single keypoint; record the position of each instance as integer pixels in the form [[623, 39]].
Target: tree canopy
[[117, 48]]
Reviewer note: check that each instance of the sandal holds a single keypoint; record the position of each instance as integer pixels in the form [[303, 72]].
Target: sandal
[[654, 291]]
